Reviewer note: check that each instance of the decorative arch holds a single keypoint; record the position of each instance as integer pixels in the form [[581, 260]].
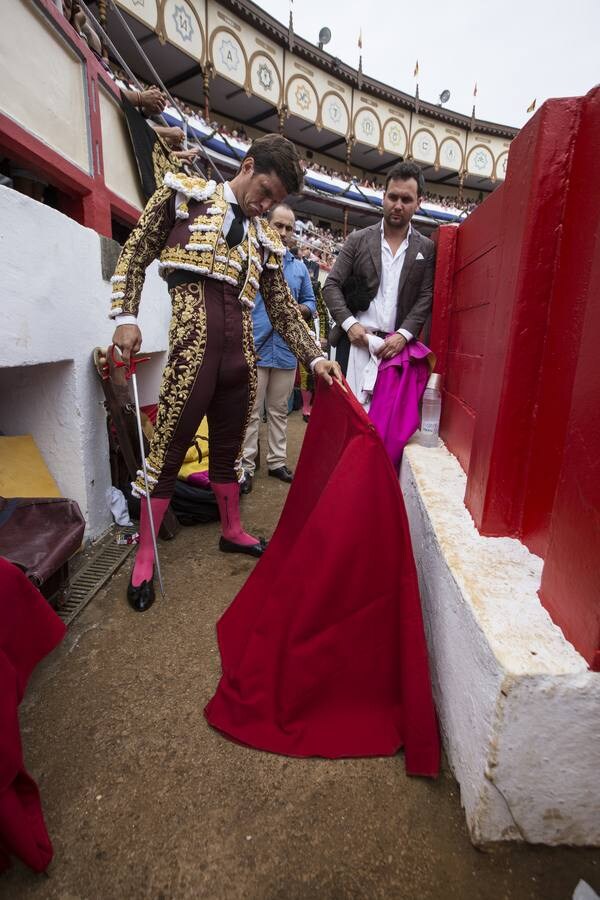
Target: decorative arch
[[372, 112], [221, 64], [181, 26], [249, 72], [394, 121], [459, 164], [424, 134], [299, 101], [499, 167], [477, 148], [344, 104], [134, 10]]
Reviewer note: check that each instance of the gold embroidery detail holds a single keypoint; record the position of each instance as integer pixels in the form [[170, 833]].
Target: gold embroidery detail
[[285, 316], [187, 343], [142, 246], [250, 357]]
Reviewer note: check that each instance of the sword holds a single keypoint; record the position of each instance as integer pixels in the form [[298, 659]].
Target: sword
[[131, 375]]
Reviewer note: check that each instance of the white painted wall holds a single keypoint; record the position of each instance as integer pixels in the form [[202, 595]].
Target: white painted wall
[[53, 312], [519, 710]]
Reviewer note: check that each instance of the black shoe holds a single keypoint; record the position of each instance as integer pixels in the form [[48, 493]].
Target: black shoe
[[246, 484], [141, 596], [283, 473], [305, 418], [249, 549]]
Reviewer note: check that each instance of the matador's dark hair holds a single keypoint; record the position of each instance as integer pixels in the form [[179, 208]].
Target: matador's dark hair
[[274, 153]]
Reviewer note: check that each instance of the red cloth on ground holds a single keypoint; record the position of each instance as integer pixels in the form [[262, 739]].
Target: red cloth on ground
[[29, 630], [323, 650]]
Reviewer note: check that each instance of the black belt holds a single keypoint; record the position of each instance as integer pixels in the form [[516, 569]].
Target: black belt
[[380, 334]]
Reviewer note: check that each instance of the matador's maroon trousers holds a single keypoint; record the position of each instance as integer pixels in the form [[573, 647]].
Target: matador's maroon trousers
[[214, 348]]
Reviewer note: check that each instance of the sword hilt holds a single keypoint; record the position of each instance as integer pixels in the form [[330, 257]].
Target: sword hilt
[[134, 361]]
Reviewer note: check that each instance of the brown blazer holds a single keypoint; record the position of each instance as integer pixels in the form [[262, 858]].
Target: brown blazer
[[361, 255]]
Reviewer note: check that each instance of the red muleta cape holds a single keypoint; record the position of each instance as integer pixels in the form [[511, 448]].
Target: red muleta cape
[[323, 650], [29, 630]]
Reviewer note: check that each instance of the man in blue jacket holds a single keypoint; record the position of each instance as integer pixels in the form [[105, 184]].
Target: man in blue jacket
[[276, 362]]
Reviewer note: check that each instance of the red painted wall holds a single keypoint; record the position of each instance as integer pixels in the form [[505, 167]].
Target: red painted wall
[[529, 229], [468, 261], [571, 578], [516, 331]]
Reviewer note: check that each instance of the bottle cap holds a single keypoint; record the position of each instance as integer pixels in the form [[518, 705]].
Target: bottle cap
[[435, 382]]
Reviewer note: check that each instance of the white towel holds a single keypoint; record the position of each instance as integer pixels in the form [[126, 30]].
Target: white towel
[[362, 370]]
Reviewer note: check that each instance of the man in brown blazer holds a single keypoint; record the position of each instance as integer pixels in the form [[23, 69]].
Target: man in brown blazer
[[382, 281]]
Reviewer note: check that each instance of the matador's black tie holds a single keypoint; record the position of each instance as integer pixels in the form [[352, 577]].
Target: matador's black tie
[[236, 230]]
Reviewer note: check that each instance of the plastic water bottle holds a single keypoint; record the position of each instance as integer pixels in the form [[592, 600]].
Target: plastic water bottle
[[430, 412]]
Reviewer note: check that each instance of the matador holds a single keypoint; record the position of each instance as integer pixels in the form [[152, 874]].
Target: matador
[[215, 253]]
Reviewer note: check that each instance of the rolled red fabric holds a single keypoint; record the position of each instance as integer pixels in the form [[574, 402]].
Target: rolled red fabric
[[29, 630]]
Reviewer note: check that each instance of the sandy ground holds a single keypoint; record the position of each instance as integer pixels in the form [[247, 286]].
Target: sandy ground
[[144, 800]]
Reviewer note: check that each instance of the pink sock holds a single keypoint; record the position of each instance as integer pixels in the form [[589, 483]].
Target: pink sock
[[228, 500], [306, 398], [144, 560]]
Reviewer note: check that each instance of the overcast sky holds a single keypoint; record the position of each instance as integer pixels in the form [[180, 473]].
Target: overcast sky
[[516, 50]]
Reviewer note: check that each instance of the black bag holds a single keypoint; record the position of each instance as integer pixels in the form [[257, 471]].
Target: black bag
[[357, 295], [192, 505]]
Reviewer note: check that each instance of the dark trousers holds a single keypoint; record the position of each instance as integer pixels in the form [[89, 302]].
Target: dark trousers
[[342, 353], [210, 372]]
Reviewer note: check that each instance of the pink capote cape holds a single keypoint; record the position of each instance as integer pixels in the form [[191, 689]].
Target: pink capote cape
[[29, 630], [396, 404], [323, 651]]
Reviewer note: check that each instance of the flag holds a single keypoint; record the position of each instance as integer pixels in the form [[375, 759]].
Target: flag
[[475, 90], [416, 72], [531, 106], [360, 39]]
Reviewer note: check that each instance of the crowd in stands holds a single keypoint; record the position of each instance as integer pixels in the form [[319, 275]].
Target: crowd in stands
[[318, 243]]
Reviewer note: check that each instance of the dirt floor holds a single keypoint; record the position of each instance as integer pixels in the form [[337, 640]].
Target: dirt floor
[[144, 800]]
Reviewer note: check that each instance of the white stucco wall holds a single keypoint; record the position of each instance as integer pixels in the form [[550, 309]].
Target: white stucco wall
[[519, 710], [53, 313]]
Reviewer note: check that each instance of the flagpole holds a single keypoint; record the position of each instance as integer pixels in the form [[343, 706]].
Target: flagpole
[[291, 27], [416, 77]]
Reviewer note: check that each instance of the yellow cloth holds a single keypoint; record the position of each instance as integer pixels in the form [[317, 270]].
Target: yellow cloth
[[196, 459], [23, 472]]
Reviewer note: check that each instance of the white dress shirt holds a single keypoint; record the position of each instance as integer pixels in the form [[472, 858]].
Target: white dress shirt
[[381, 314], [229, 197]]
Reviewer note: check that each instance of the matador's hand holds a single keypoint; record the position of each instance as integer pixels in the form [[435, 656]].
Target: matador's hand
[[128, 338], [328, 369]]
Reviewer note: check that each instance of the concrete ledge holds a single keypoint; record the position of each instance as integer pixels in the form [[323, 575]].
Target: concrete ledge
[[519, 711]]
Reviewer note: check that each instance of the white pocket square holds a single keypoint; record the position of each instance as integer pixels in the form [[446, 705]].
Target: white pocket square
[[419, 255]]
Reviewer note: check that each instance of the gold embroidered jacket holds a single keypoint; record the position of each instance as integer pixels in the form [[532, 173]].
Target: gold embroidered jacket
[[182, 226]]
